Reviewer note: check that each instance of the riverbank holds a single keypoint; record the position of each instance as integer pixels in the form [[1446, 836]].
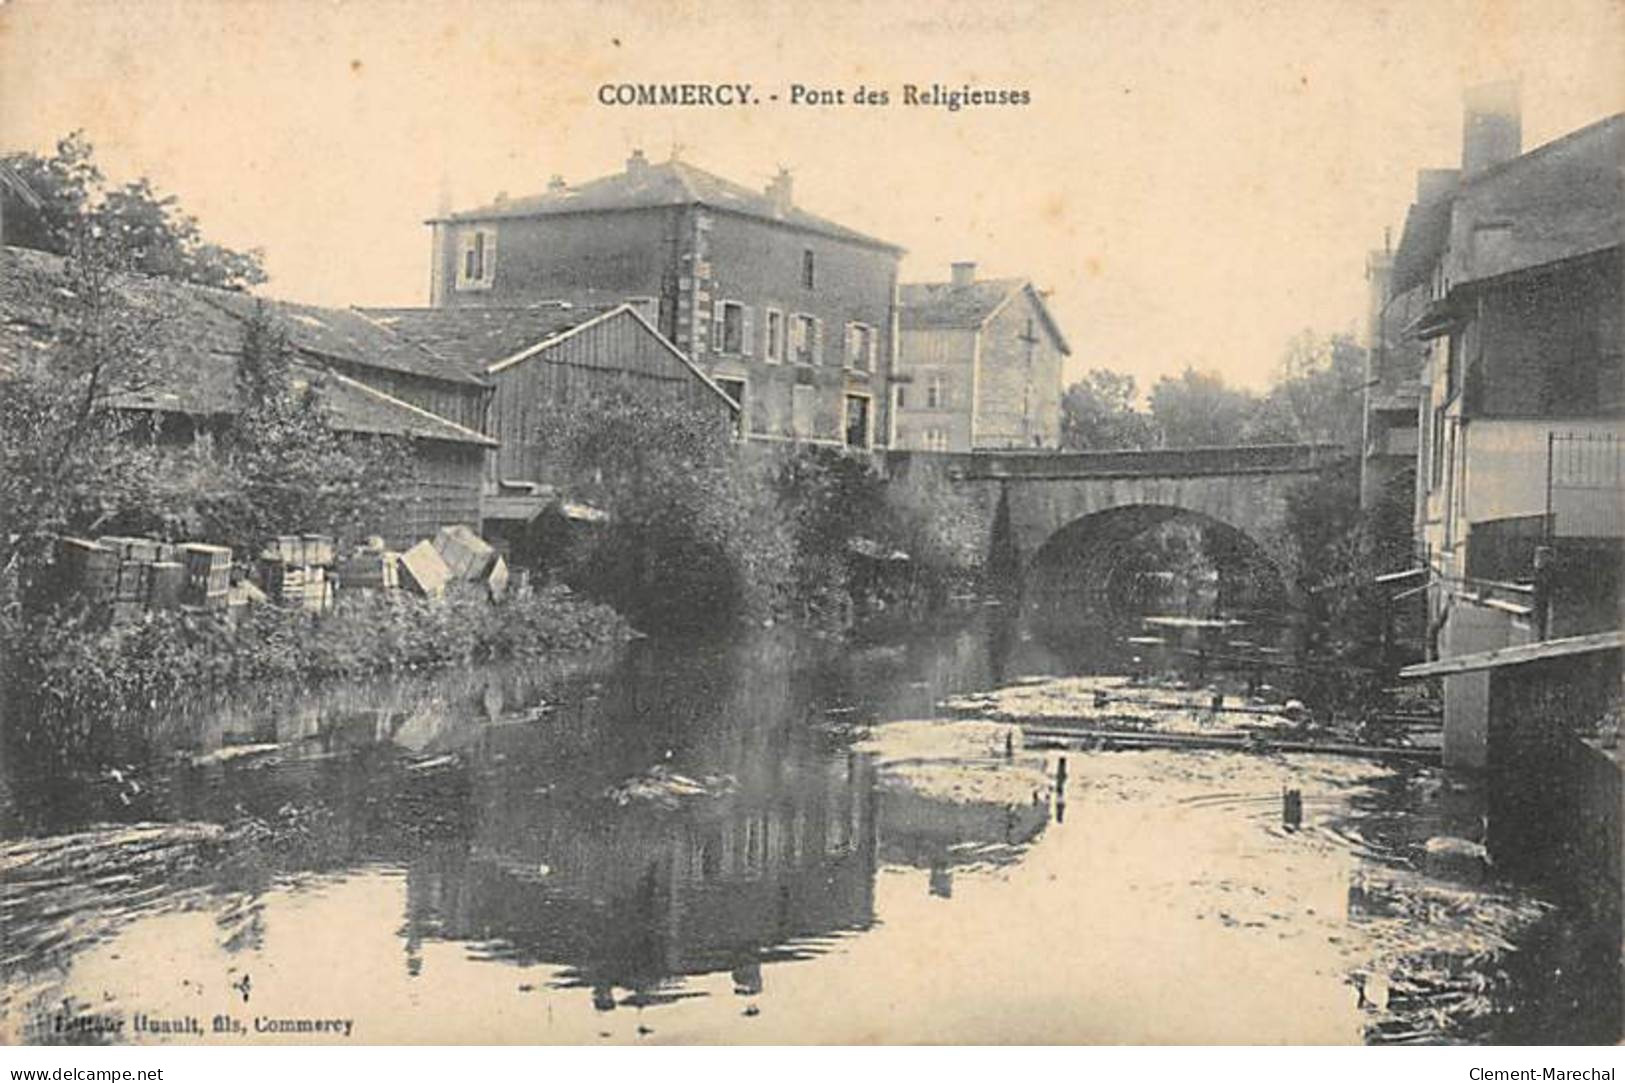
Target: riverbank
[[65, 674]]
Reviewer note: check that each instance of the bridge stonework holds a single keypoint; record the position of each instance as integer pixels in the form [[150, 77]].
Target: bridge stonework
[[1040, 494]]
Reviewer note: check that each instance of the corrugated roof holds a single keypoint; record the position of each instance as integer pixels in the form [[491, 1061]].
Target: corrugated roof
[[664, 184], [475, 338], [201, 342], [944, 306]]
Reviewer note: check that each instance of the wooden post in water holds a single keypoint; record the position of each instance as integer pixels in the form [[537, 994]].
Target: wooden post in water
[[1291, 809]]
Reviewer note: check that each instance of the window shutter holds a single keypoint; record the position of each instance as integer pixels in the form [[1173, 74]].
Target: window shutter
[[869, 350], [489, 271], [818, 341], [747, 329], [716, 326]]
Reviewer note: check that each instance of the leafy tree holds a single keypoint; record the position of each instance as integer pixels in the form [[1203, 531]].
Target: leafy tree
[[1316, 396], [1101, 412], [677, 551], [279, 466], [1197, 409], [157, 237], [70, 457]]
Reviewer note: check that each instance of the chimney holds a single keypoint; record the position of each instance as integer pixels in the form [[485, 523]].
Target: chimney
[[964, 273], [779, 189], [1491, 128], [555, 183], [637, 164]]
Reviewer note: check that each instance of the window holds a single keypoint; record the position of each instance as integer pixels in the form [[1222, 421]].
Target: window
[[857, 421], [934, 398], [902, 398], [1436, 448], [860, 346], [773, 344], [808, 275], [730, 328], [476, 258], [936, 440], [735, 389], [804, 336]]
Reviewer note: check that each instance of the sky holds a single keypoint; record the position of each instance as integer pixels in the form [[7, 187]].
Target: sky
[[1195, 181]]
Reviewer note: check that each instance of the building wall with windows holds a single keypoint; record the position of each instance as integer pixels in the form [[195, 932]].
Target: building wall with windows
[[803, 322], [791, 313], [979, 365]]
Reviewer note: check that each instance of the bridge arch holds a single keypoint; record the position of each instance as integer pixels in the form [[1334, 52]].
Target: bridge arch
[[1096, 560]]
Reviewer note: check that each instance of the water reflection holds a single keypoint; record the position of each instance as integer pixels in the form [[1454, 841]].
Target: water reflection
[[638, 840]]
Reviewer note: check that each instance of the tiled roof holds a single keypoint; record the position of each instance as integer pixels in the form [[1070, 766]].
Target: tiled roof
[[1562, 200], [943, 306], [929, 306], [345, 335], [200, 340], [664, 184], [474, 338]]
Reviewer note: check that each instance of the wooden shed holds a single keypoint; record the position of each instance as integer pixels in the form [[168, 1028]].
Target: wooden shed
[[544, 357]]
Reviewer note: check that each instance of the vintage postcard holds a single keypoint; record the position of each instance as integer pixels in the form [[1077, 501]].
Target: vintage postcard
[[924, 522]]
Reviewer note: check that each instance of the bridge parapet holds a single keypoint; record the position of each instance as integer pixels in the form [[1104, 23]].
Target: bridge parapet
[[1162, 462]]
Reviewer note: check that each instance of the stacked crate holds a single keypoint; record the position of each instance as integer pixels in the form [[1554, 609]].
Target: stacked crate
[[293, 571], [208, 574], [370, 569], [88, 568]]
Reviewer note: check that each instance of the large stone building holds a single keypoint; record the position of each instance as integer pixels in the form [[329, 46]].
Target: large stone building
[[979, 365], [1513, 267], [792, 315]]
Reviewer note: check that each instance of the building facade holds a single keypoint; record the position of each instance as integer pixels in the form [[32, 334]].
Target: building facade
[[1521, 395], [979, 366], [791, 314]]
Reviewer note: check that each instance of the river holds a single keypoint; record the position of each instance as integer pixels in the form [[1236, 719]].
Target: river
[[692, 843]]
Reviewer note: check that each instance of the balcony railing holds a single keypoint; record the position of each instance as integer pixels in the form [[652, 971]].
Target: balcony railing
[[1584, 471]]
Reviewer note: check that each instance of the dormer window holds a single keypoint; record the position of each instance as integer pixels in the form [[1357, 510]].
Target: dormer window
[[476, 258]]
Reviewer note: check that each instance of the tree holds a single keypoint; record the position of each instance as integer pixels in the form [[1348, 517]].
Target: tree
[[1100, 412], [278, 466], [1316, 396], [68, 460], [157, 237], [1197, 409]]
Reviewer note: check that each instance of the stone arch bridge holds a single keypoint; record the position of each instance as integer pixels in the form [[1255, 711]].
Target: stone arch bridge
[[1082, 509]]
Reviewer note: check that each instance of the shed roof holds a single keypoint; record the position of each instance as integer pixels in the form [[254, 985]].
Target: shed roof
[[343, 334], [201, 341], [476, 338], [671, 183], [493, 339]]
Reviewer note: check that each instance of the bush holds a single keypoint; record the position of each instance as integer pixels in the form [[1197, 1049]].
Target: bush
[[71, 670]]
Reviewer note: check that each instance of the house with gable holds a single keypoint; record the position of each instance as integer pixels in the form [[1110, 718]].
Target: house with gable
[[979, 365], [791, 314]]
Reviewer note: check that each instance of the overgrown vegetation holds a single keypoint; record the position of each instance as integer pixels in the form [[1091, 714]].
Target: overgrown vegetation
[[1351, 624], [70, 672], [706, 533]]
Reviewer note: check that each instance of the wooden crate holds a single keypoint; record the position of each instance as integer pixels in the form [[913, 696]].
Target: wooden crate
[[167, 588], [134, 581], [208, 574], [370, 569], [86, 567]]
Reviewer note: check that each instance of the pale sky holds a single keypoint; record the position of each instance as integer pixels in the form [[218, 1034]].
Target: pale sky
[[1195, 181]]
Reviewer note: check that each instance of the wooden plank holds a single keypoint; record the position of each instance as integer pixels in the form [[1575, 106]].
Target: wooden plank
[[1519, 655], [1131, 739]]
